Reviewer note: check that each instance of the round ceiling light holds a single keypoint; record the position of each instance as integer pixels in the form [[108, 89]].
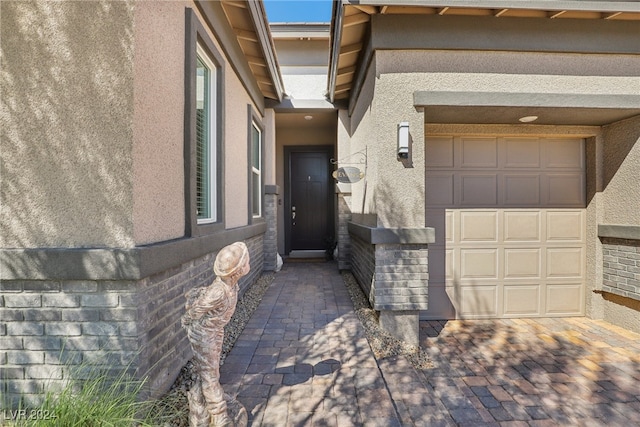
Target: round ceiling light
[[308, 117], [528, 119]]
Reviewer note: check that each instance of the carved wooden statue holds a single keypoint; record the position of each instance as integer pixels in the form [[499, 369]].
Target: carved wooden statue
[[208, 310]]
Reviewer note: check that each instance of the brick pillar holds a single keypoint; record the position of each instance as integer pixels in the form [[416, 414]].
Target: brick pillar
[[392, 267], [271, 217], [344, 241]]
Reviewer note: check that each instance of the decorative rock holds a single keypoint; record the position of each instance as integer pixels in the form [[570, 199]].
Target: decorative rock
[[208, 310]]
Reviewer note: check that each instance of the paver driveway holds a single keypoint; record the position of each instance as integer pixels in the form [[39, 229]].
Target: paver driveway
[[303, 361], [530, 372]]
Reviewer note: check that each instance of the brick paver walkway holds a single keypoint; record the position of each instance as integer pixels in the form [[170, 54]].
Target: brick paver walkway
[[303, 360]]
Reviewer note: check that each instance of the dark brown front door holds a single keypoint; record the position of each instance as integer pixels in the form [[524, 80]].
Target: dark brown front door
[[309, 205]]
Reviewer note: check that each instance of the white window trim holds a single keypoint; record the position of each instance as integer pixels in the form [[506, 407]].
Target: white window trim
[[258, 172], [213, 143]]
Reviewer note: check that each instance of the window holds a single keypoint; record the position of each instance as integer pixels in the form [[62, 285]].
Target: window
[[205, 139], [203, 131], [256, 170]]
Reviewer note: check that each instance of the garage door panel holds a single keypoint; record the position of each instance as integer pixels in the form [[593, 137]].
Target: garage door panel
[[439, 152], [522, 226], [478, 226], [478, 190], [521, 153], [522, 300], [449, 265], [564, 189], [565, 299], [479, 263], [566, 226], [564, 153], [521, 189], [565, 262], [479, 152], [521, 263], [450, 228], [478, 301]]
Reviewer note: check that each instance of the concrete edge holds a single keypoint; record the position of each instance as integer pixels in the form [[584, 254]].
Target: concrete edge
[[379, 235], [619, 231], [272, 189]]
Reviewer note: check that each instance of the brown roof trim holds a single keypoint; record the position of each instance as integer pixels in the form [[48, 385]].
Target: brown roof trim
[[547, 5], [358, 10], [259, 17]]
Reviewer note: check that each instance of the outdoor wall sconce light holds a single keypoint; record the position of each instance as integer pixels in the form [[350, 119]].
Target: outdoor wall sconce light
[[403, 140]]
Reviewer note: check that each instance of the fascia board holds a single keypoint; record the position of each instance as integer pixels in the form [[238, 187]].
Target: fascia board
[[569, 5], [336, 36], [258, 16]]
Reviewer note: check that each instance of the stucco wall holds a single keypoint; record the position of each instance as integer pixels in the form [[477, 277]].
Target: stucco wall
[[235, 151], [159, 126], [93, 121], [66, 130], [398, 182], [620, 199], [158, 129], [621, 165], [269, 135], [386, 99], [521, 63], [359, 137], [509, 72]]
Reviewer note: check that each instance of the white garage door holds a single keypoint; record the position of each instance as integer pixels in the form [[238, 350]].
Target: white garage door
[[509, 215]]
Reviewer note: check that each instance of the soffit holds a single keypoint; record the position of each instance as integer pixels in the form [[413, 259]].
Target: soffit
[[306, 120], [300, 31], [249, 23], [508, 108], [351, 22]]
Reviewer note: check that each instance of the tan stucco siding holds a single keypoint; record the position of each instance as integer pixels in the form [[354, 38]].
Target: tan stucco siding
[[235, 149], [396, 75], [501, 62], [159, 126], [621, 165], [66, 138], [158, 131], [475, 74], [398, 182], [269, 135], [362, 131]]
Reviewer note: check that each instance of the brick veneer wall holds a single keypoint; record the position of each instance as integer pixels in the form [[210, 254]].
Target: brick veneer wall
[[271, 235], [344, 241], [393, 275], [621, 268], [363, 264], [49, 328]]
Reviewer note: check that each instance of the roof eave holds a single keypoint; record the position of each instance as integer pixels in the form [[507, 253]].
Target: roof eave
[[336, 35], [261, 24], [569, 5]]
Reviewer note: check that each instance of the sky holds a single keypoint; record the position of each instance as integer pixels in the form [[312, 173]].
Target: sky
[[298, 10]]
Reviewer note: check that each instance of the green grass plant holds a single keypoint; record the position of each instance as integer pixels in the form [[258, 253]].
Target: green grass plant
[[93, 396]]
